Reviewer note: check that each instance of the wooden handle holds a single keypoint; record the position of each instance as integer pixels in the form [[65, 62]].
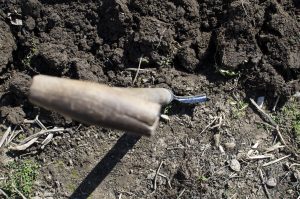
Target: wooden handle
[[95, 104], [158, 95]]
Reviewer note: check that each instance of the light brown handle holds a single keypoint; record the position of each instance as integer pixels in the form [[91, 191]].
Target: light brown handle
[[95, 104], [158, 95]]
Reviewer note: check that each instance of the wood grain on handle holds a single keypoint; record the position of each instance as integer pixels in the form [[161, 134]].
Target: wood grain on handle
[[95, 104], [158, 95]]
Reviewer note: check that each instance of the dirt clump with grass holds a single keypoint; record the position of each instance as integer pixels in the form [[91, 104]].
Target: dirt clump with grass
[[233, 51]]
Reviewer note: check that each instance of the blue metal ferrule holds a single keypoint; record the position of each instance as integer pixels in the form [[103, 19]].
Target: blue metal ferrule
[[191, 99]]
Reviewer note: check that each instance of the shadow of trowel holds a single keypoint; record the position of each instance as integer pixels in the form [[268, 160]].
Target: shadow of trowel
[[105, 166]]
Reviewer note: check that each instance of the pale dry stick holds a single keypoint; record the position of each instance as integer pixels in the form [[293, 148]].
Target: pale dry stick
[[47, 140], [19, 192], [275, 161], [274, 147], [12, 137], [40, 123], [270, 120], [252, 148], [222, 150], [285, 175], [258, 157], [264, 184], [3, 139], [42, 132], [255, 145], [3, 193], [160, 38], [37, 121], [211, 123], [181, 193], [138, 70], [127, 192], [233, 196], [155, 178], [120, 196], [295, 164], [219, 124], [280, 135], [266, 124], [264, 113], [275, 105], [23, 147], [164, 176], [135, 69]]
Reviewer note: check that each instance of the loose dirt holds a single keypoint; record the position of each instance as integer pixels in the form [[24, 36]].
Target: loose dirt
[[184, 45]]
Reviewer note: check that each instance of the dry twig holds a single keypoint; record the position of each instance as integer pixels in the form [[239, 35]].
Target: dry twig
[[258, 157], [138, 70], [135, 69], [181, 193], [12, 136], [273, 123], [42, 132], [263, 113], [275, 161], [275, 105], [274, 147], [5, 136], [19, 192], [166, 177], [47, 140], [23, 147], [264, 184], [37, 121], [3, 193], [156, 174], [211, 123]]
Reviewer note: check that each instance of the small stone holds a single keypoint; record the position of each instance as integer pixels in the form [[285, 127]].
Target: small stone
[[230, 145], [217, 138], [165, 117], [70, 163], [235, 165], [271, 182]]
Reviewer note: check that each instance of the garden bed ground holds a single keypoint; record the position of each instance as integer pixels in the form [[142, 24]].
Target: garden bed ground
[[231, 50]]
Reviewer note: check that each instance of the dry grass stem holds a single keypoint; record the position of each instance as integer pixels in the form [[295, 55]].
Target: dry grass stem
[[164, 176], [181, 193], [47, 140], [275, 161], [274, 147], [263, 113], [155, 177], [3, 193], [209, 125], [135, 69], [19, 192], [264, 184], [273, 123], [4, 137], [23, 147], [42, 132], [258, 157], [13, 135], [276, 103], [138, 70]]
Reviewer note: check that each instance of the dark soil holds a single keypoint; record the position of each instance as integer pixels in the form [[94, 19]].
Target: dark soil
[[184, 44]]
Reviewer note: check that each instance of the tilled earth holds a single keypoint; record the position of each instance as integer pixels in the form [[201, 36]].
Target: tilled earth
[[230, 50]]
